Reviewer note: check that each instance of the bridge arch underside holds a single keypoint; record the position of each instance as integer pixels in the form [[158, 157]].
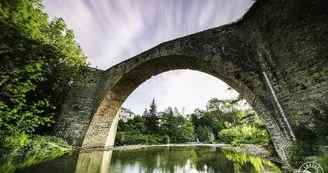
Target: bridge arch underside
[[249, 84]]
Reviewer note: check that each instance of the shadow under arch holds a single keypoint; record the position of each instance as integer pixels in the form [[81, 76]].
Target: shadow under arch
[[102, 129]]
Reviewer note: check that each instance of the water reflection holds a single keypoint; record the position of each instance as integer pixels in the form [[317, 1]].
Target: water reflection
[[95, 162], [158, 160], [188, 159]]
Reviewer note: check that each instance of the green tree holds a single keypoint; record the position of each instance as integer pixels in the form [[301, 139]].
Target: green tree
[[178, 128], [215, 104], [211, 121], [152, 123], [153, 109], [202, 133], [247, 129], [41, 59], [168, 111], [136, 125], [176, 111], [145, 113]]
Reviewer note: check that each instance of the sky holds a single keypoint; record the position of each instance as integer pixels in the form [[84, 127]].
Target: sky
[[111, 31]]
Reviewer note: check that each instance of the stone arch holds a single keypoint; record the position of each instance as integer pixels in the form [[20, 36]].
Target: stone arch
[[219, 56], [270, 45]]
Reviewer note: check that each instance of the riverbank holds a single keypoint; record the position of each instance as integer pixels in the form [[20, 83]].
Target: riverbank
[[255, 150]]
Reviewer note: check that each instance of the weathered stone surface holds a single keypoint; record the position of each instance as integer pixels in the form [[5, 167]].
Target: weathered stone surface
[[74, 120], [286, 40]]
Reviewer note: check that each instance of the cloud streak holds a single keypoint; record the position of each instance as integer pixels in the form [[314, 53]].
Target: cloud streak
[[111, 31]]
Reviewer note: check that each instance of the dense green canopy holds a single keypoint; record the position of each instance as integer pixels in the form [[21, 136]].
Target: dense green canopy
[[39, 58]]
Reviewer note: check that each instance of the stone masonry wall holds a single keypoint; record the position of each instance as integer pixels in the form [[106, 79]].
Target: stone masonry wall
[[293, 36], [76, 114]]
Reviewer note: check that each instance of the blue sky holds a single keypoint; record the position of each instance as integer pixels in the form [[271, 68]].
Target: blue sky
[[111, 31]]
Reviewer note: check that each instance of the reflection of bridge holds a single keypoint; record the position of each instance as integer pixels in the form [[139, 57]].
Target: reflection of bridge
[[275, 57], [94, 162]]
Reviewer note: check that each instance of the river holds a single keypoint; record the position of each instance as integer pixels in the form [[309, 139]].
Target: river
[[160, 159]]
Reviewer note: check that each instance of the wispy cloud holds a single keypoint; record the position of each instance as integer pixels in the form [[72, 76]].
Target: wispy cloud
[[111, 31]]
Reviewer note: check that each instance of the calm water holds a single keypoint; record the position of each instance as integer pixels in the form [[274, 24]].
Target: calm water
[[156, 159]]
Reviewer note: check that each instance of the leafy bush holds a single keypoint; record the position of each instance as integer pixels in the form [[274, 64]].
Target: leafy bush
[[128, 138], [244, 134], [166, 139], [323, 161], [228, 135], [306, 145], [202, 133], [12, 144], [22, 150], [22, 145], [297, 154]]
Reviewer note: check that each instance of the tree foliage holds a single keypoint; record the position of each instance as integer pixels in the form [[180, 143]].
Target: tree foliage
[[151, 117], [178, 128], [223, 118], [38, 61]]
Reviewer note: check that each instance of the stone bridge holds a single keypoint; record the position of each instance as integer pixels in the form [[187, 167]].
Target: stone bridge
[[275, 56]]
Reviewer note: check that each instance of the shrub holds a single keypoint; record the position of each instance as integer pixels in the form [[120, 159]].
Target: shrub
[[323, 161], [128, 138], [202, 132], [13, 143], [306, 145], [228, 135], [22, 150], [24, 145], [166, 139], [244, 134]]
